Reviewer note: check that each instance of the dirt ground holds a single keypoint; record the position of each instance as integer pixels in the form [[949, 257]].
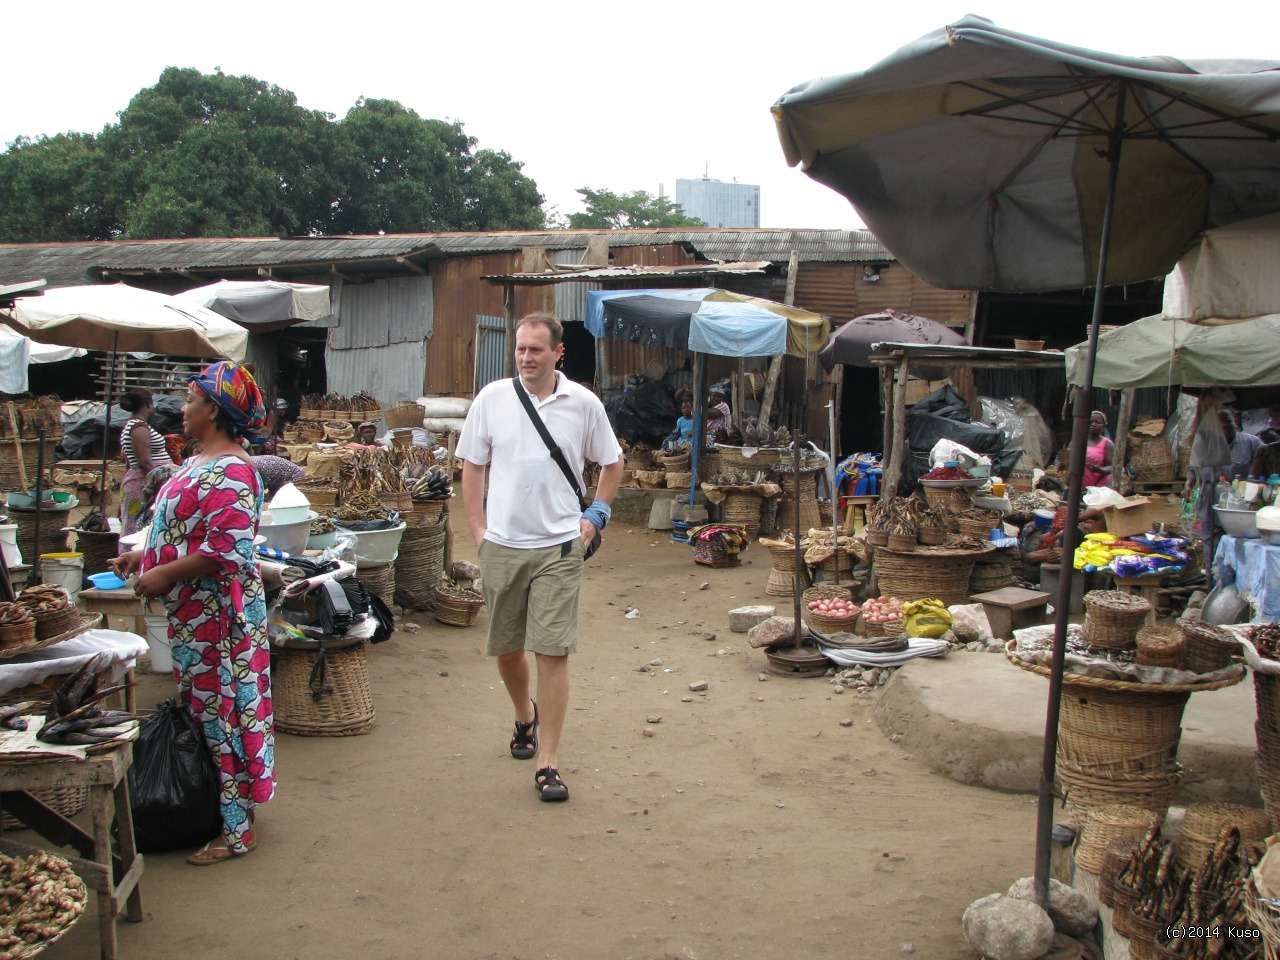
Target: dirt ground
[[746, 822]]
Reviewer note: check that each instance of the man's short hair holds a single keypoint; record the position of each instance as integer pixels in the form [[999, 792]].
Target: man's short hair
[[554, 326]]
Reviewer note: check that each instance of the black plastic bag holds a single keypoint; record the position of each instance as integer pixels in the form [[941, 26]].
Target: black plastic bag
[[173, 785], [643, 415]]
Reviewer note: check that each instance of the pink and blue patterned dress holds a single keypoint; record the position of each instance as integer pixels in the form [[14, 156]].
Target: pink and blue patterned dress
[[217, 625]]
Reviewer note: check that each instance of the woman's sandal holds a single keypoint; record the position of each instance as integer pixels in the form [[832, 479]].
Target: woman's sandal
[[208, 855], [551, 788], [524, 742]]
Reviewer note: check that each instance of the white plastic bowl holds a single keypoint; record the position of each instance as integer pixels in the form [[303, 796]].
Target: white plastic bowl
[[290, 538], [376, 546], [1237, 523], [281, 515]]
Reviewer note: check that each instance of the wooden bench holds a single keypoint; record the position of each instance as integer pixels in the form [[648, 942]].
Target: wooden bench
[[1012, 608]]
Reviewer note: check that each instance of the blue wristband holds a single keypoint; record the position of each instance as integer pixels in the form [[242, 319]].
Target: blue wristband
[[599, 514]]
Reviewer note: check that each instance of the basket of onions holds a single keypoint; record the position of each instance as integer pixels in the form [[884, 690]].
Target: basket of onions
[[882, 617], [833, 614]]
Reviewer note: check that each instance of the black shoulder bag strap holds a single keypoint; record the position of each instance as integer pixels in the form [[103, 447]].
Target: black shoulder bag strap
[[556, 454]]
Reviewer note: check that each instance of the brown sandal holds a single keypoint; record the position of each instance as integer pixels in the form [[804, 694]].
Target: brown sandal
[[209, 854]]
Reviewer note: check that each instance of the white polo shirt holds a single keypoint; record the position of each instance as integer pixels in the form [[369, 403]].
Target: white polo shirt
[[531, 504]]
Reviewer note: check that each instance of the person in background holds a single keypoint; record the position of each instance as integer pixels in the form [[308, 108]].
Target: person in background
[[1244, 446], [719, 416], [198, 559], [276, 472], [1040, 545], [366, 437], [143, 450], [532, 533], [682, 435], [1099, 453]]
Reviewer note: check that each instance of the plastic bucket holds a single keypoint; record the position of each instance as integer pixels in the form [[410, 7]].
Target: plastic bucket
[[9, 544], [64, 569], [158, 641]]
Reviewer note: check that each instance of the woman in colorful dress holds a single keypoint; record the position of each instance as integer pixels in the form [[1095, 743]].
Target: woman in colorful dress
[[144, 450], [199, 560]]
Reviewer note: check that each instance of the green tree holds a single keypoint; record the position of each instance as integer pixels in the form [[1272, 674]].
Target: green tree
[[615, 211], [216, 155]]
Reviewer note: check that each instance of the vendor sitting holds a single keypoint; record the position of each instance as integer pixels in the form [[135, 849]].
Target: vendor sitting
[[682, 435], [1041, 543], [719, 416], [366, 437]]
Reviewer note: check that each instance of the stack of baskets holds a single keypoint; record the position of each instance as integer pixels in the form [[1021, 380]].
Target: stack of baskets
[[782, 576], [1113, 619], [455, 605], [810, 515], [1117, 857], [926, 572], [322, 692], [742, 509], [420, 564], [404, 414], [379, 578], [1108, 825], [1209, 648], [1203, 824], [1162, 646], [97, 547]]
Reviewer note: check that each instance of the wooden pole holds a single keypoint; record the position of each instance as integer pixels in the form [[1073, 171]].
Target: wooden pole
[[1124, 421], [893, 455], [509, 313], [775, 364]]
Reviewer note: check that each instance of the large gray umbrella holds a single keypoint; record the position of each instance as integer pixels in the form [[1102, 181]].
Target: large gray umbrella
[[851, 342], [991, 160]]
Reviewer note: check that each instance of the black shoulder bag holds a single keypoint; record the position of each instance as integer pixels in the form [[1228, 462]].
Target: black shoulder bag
[[558, 456]]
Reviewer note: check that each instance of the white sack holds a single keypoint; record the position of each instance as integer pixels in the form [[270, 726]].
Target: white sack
[[945, 450], [443, 424], [444, 406]]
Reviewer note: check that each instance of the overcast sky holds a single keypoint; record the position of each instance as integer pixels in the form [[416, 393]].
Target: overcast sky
[[623, 96]]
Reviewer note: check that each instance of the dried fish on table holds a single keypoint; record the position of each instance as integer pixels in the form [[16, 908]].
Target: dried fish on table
[[75, 715]]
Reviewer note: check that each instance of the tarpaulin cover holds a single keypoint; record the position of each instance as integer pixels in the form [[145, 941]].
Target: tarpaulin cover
[[944, 415]]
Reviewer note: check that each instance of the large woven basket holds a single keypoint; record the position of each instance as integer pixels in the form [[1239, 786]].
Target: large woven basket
[[742, 509], [1117, 857], [1107, 825], [1087, 788], [1110, 732], [1203, 824], [824, 591], [403, 414], [1151, 459], [424, 512], [1160, 645], [457, 606], [914, 576], [320, 496], [1113, 619], [379, 578], [810, 515], [1209, 647], [972, 527], [420, 564], [831, 624], [338, 705], [97, 548], [990, 576], [782, 576]]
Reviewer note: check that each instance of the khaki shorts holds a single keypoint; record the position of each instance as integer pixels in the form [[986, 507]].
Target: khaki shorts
[[532, 596]]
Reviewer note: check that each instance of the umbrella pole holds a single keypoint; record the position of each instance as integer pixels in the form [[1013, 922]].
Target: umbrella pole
[[699, 378], [35, 566], [1081, 410], [831, 483], [106, 431]]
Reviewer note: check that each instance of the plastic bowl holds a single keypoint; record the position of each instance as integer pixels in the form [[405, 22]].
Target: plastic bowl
[[321, 541], [20, 501], [290, 538], [106, 581], [1272, 537], [288, 514], [1237, 523], [377, 546]]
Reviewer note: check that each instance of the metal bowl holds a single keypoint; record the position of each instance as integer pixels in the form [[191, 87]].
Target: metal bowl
[[1237, 523]]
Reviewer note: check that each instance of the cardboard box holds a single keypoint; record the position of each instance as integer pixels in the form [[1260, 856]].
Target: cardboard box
[[1137, 515]]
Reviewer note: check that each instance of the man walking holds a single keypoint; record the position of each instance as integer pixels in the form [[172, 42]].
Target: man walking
[[534, 533]]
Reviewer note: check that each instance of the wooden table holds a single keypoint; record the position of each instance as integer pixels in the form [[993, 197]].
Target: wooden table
[[114, 875], [122, 609], [1012, 608]]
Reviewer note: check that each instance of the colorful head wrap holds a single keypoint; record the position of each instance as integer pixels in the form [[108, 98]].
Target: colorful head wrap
[[236, 393]]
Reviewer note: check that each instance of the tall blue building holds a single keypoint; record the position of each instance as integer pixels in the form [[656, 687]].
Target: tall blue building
[[719, 204]]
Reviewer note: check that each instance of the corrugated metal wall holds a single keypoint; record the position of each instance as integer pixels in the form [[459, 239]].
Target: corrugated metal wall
[[492, 332], [842, 292], [571, 298], [262, 354], [461, 296], [391, 372]]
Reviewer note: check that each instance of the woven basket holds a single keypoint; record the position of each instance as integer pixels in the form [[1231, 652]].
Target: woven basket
[[933, 536], [1266, 918], [810, 515], [380, 579], [1109, 732], [678, 481], [1122, 899], [1162, 646], [831, 624], [902, 542], [970, 527], [62, 620], [732, 460], [1108, 825], [1151, 459], [742, 509], [890, 628], [320, 497], [676, 461], [823, 591], [1209, 648], [1117, 857], [1142, 935], [1203, 825], [782, 577], [1086, 788], [10, 476], [97, 548], [343, 707], [17, 634], [1113, 619], [990, 576], [424, 512], [455, 606], [420, 564], [877, 538], [308, 413], [640, 459], [914, 576], [403, 414]]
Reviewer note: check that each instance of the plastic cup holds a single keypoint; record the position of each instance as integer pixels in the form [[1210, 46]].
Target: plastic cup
[[997, 488]]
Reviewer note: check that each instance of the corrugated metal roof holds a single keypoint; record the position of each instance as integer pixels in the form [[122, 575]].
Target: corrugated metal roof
[[630, 272], [71, 263]]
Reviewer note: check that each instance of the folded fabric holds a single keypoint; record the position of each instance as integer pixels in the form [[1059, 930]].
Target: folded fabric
[[916, 647]]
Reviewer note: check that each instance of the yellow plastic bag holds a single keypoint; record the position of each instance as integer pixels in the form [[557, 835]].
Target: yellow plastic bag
[[926, 618]]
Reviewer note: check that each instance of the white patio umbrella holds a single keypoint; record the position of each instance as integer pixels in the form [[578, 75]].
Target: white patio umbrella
[[262, 305], [17, 352], [115, 317]]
